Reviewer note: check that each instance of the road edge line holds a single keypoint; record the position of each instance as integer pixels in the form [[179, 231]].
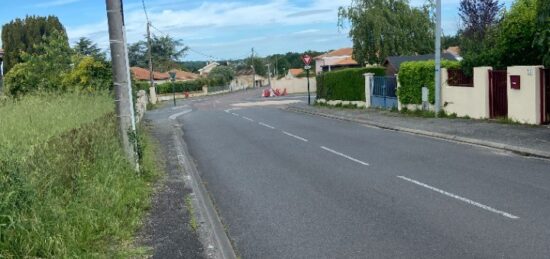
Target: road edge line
[[222, 244]]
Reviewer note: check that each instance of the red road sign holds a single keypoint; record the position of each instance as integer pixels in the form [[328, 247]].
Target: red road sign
[[307, 59]]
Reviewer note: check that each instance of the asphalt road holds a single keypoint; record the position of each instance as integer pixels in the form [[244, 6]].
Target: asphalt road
[[290, 185]]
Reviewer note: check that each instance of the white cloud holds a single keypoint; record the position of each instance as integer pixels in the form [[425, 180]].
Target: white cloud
[[56, 3]]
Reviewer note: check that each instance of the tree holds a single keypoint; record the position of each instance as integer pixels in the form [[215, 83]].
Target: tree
[[20, 36], [165, 52], [381, 28], [477, 17], [85, 47], [89, 74], [258, 64], [221, 75], [542, 40], [42, 70]]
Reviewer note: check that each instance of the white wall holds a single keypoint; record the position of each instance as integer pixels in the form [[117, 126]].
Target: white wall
[[295, 85], [524, 104], [467, 101]]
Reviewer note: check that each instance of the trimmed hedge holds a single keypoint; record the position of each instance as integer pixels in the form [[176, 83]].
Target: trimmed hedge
[[347, 84], [186, 86], [417, 74]]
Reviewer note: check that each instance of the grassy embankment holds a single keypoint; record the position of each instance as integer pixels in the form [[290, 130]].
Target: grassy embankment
[[66, 189]]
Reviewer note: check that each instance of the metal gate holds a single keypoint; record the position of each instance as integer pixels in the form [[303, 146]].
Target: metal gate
[[383, 92], [498, 96], [545, 95]]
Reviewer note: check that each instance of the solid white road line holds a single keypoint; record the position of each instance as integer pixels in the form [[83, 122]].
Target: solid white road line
[[477, 204], [173, 117], [294, 136], [344, 155], [248, 119], [266, 125]]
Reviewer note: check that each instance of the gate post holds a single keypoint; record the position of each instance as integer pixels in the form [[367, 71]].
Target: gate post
[[369, 77]]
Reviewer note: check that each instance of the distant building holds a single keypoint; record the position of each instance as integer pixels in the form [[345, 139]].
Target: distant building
[[393, 63], [334, 60], [294, 72], [208, 68], [142, 74], [244, 79]]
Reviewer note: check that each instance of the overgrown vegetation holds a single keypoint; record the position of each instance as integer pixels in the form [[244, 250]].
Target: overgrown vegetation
[[180, 87], [415, 75], [66, 187], [347, 84]]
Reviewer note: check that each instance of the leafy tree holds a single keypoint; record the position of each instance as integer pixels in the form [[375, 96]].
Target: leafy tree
[[165, 52], [43, 70], [85, 47], [542, 40], [477, 17], [89, 74], [221, 75], [23, 35], [258, 64], [381, 28], [450, 41]]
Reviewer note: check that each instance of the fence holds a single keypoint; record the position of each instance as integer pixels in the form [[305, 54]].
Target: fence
[[456, 77]]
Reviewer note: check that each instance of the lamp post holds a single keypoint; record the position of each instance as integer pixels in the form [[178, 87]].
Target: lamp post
[[173, 79]]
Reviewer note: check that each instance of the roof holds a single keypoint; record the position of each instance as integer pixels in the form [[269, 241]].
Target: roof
[[346, 62], [295, 71], [455, 50], [143, 74], [245, 72], [337, 53], [184, 75], [396, 61]]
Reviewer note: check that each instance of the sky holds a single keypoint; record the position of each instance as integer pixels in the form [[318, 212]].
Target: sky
[[215, 29]]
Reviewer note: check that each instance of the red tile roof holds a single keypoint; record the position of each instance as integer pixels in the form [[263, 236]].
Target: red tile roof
[[337, 53], [296, 71], [346, 62], [143, 74], [184, 75]]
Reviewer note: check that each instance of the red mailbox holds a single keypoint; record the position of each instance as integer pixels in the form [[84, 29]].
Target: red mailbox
[[515, 82]]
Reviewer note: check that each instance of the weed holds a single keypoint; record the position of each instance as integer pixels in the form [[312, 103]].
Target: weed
[[192, 219]]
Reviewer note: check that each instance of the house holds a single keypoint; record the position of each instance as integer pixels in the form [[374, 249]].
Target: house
[[184, 75], [245, 77], [334, 60], [455, 51], [206, 70], [142, 74], [393, 63], [294, 73]]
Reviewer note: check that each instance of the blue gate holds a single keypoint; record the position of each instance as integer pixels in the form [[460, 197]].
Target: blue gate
[[383, 92]]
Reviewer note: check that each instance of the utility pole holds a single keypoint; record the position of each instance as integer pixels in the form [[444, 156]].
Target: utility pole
[[150, 57], [121, 78], [253, 70], [438, 58], [269, 74]]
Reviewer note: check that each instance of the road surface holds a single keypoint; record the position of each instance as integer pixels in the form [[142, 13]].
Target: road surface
[[289, 185]]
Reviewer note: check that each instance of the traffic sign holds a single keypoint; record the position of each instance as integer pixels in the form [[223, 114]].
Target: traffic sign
[[307, 59], [308, 67]]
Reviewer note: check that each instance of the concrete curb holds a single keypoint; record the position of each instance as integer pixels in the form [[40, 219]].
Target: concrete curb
[[515, 149], [218, 243]]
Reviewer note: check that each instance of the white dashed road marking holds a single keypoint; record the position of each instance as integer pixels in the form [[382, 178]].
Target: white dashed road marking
[[344, 155], [266, 125], [294, 136], [173, 117], [234, 114], [477, 204], [248, 119]]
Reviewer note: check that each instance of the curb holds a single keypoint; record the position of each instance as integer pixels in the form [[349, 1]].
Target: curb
[[515, 149], [221, 246]]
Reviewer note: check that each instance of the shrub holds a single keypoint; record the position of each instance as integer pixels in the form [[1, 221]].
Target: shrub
[[347, 84], [88, 75], [417, 74], [185, 86]]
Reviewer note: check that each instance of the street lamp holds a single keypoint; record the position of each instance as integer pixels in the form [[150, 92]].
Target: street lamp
[[173, 79]]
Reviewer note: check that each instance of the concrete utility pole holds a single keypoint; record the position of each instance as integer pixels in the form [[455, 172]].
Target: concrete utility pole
[[150, 57], [438, 58], [269, 74], [121, 79], [253, 70]]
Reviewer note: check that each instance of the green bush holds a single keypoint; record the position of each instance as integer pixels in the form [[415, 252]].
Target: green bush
[[347, 84], [186, 86], [66, 189], [417, 74]]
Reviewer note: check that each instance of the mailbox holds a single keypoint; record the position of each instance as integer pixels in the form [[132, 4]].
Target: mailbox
[[515, 82]]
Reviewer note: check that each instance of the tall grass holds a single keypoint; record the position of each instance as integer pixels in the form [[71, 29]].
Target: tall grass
[[66, 189]]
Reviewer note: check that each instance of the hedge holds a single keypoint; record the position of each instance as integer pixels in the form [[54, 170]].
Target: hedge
[[186, 86], [416, 74], [347, 84]]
